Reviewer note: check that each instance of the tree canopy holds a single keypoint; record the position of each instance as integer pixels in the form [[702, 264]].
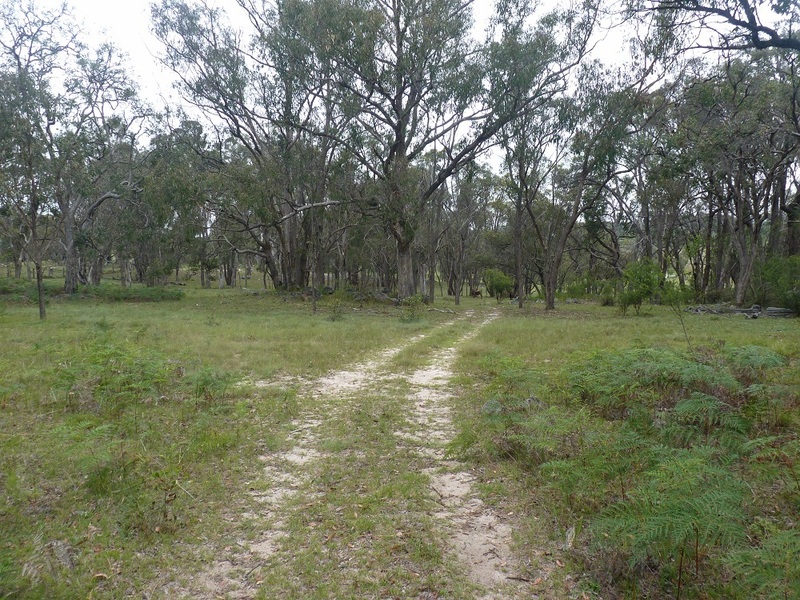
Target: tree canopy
[[393, 145]]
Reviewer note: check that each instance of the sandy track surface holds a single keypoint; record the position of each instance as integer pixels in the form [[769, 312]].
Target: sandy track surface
[[477, 538]]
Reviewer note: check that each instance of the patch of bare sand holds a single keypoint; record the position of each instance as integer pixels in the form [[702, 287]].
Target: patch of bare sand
[[479, 537]]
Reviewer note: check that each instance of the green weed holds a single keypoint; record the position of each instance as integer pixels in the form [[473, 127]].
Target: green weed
[[411, 309]]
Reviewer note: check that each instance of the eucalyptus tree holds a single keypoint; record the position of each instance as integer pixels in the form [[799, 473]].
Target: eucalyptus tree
[[166, 223], [271, 94], [465, 214], [532, 151], [68, 115], [736, 24], [31, 43], [555, 186], [742, 134], [93, 149], [421, 83], [560, 167]]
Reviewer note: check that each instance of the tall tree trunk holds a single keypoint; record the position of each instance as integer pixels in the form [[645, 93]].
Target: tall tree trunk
[[776, 229], [550, 283], [648, 239], [519, 274], [706, 280], [792, 227], [40, 289], [96, 273], [125, 272], [405, 270], [722, 253], [746, 265], [459, 269], [71, 262]]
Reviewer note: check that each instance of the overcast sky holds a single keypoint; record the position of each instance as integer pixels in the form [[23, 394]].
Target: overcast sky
[[127, 24]]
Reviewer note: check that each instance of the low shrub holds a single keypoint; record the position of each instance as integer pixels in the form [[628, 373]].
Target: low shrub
[[641, 281], [782, 278], [116, 293], [668, 459], [498, 284], [411, 308]]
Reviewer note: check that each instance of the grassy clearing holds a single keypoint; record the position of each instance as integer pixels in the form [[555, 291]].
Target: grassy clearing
[[664, 471], [132, 429], [126, 431]]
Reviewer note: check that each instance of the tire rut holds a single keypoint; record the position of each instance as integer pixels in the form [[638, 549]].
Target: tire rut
[[478, 538]]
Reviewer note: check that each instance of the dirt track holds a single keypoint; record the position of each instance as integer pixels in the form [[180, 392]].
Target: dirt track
[[476, 538]]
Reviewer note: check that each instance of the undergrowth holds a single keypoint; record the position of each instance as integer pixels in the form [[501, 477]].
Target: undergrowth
[[680, 471], [136, 293], [14, 290], [125, 455]]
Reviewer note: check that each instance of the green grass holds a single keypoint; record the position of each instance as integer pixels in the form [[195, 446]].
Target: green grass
[[131, 431], [676, 466], [127, 428]]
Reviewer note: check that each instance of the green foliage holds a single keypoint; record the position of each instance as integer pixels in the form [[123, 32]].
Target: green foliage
[[661, 455], [498, 283], [683, 508], [18, 290], [782, 276], [641, 281], [676, 296], [110, 374], [702, 419], [117, 293], [769, 570], [412, 308], [752, 361], [209, 384], [654, 378], [337, 310]]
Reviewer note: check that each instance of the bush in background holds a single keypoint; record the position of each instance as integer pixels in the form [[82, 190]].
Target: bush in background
[[782, 279]]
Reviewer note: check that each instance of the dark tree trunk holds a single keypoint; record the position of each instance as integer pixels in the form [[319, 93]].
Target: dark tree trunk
[[405, 270], [40, 290], [550, 284], [792, 228], [458, 284], [518, 270], [71, 262]]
